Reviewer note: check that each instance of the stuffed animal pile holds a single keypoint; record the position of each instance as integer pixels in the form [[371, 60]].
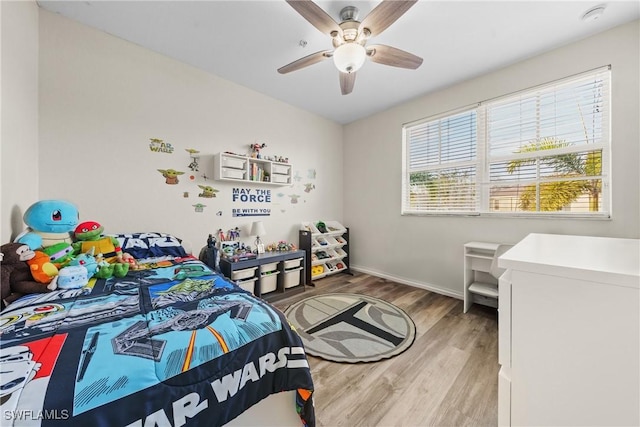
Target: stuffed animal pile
[[55, 251]]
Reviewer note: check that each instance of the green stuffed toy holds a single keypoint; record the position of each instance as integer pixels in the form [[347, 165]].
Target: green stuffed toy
[[89, 237], [60, 254]]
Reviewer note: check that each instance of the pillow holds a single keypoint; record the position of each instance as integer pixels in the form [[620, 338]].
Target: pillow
[[149, 245]]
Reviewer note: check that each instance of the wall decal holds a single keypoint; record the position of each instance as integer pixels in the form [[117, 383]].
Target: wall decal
[[252, 195], [199, 207], [309, 187], [250, 212], [185, 194], [207, 191], [294, 198], [219, 213], [280, 194], [297, 176], [194, 159], [171, 175], [311, 174], [159, 146]]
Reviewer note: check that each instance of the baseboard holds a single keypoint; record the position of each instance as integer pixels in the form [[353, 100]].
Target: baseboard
[[405, 281]]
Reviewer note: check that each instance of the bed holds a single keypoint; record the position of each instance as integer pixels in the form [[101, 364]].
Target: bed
[[172, 343]]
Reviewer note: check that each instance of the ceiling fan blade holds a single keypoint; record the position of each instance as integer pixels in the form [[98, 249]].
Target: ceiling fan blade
[[347, 80], [385, 14], [315, 15], [388, 55], [314, 58]]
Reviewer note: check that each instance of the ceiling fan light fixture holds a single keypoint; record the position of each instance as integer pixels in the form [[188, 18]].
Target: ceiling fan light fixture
[[349, 57]]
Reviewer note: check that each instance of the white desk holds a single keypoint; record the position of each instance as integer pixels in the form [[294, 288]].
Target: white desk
[[569, 332], [477, 264]]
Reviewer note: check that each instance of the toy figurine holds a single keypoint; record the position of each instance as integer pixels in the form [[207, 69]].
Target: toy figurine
[[255, 150]]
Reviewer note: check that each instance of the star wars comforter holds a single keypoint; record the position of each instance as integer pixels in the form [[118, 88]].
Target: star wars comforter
[[169, 345]]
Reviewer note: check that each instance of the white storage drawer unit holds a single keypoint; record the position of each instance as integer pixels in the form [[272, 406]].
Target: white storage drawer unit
[[569, 332]]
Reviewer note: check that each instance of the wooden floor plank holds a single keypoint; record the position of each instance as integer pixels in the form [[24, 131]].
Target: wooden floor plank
[[448, 377]]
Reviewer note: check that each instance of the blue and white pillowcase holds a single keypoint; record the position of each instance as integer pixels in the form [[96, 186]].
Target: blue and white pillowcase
[[150, 245]]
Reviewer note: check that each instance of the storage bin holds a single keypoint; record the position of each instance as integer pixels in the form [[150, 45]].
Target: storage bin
[[309, 226], [245, 273], [335, 228], [340, 253], [280, 179], [317, 270], [267, 268], [232, 173], [230, 162], [268, 282], [292, 263], [248, 285], [282, 169], [292, 277]]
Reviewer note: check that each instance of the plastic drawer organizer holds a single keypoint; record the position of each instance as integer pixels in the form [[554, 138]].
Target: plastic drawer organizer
[[292, 272], [271, 275], [245, 278], [327, 248], [268, 277]]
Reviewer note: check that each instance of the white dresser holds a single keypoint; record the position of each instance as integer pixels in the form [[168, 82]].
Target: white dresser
[[569, 332]]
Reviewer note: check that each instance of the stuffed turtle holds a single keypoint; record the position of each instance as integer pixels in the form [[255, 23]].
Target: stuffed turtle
[[89, 237]]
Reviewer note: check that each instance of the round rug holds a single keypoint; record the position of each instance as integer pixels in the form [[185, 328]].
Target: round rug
[[351, 328]]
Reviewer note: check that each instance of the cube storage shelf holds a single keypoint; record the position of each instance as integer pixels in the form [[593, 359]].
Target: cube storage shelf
[[232, 167], [328, 252], [271, 276]]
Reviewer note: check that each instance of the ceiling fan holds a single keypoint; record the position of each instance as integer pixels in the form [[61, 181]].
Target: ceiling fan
[[350, 37]]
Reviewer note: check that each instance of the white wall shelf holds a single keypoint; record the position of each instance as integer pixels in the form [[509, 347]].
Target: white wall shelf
[[232, 167]]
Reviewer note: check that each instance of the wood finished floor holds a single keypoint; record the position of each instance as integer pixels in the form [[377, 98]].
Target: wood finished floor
[[448, 377]]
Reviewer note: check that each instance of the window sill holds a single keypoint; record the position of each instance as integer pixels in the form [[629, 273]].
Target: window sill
[[515, 215]]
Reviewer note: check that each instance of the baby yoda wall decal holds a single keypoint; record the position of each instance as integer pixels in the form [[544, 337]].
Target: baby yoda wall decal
[[199, 207], [194, 159], [171, 175], [207, 191]]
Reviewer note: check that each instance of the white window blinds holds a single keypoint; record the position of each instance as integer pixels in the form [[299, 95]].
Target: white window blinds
[[442, 164], [540, 151]]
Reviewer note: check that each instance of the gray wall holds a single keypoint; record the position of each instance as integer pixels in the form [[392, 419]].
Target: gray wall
[[427, 250], [102, 99], [19, 135]]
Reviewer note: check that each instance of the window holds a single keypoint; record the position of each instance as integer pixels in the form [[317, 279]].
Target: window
[[543, 151]]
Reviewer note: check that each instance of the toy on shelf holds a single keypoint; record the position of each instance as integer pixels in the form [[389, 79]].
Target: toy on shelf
[[255, 150], [281, 246], [317, 269]]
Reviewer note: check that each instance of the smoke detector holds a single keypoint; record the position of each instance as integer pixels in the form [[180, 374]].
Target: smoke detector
[[594, 13]]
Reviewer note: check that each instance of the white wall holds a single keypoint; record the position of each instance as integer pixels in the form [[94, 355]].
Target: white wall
[[427, 250], [19, 113], [102, 99]]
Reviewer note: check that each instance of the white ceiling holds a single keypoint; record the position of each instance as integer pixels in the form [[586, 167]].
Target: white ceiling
[[247, 41]]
